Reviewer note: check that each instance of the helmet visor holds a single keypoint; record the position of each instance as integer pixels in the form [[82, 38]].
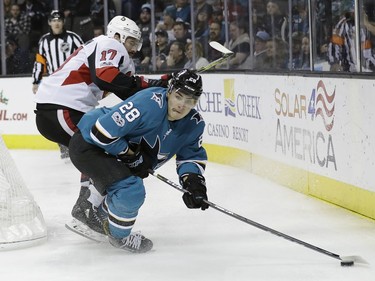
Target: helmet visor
[[134, 42]]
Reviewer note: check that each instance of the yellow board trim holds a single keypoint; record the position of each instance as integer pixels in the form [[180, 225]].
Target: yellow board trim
[[28, 142], [229, 156], [348, 196]]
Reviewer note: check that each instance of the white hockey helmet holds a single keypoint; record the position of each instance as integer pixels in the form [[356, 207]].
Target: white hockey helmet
[[125, 27]]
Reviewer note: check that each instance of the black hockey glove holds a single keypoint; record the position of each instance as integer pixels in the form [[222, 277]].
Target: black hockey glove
[[196, 185], [138, 164]]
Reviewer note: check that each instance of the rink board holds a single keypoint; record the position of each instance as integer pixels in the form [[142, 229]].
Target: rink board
[[311, 134]]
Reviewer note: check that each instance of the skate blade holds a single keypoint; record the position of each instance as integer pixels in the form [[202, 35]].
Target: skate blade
[[83, 230]]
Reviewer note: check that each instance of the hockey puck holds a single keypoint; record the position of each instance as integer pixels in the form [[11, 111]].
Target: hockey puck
[[347, 263]]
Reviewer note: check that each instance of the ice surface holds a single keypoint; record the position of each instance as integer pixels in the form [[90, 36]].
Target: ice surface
[[193, 245]]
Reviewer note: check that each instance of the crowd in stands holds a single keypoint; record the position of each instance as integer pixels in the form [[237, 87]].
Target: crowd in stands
[[273, 45]]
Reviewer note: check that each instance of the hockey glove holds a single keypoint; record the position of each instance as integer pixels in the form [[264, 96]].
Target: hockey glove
[[139, 163], [165, 80], [143, 82], [196, 185]]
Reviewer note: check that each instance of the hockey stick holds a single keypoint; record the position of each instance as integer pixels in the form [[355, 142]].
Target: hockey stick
[[345, 260], [226, 55]]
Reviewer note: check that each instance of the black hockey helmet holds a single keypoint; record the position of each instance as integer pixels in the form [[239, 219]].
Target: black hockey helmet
[[56, 14], [188, 82]]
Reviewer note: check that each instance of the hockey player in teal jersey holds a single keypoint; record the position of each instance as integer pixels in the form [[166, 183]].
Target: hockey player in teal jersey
[[117, 147]]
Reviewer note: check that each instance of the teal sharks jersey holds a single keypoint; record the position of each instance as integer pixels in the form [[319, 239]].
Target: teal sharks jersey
[[142, 119]]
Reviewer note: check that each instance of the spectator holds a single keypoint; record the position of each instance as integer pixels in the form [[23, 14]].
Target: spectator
[[169, 17], [216, 4], [300, 51], [276, 58], [7, 7], [17, 59], [305, 53], [181, 32], [238, 10], [260, 51], [130, 8], [143, 57], [176, 58], [214, 35], [97, 11], [274, 22], [258, 12], [54, 48], [78, 17], [36, 10], [218, 16], [202, 5], [260, 48], [323, 26], [300, 22], [239, 44], [200, 61], [181, 10], [202, 29], [18, 27], [162, 48]]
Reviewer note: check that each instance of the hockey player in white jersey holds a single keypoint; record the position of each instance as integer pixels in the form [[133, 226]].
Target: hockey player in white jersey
[[98, 67], [118, 146]]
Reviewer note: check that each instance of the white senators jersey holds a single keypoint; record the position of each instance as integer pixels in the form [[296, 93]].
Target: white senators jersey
[[101, 65]]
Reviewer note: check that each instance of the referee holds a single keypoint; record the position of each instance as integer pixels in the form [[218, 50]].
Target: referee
[[54, 48]]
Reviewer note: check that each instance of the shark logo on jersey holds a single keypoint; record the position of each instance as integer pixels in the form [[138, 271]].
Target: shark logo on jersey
[[158, 98], [64, 47], [197, 117], [116, 116], [154, 150]]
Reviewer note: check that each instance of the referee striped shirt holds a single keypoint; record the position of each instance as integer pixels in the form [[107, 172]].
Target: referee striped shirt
[[53, 51]]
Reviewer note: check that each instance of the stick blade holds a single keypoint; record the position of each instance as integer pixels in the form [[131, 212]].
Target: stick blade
[[355, 259], [217, 46]]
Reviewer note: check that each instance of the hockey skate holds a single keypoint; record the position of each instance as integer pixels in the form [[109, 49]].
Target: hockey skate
[[87, 213], [96, 220], [82, 207], [135, 243], [95, 226]]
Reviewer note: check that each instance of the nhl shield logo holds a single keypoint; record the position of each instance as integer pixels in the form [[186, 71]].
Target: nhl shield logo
[[64, 47]]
